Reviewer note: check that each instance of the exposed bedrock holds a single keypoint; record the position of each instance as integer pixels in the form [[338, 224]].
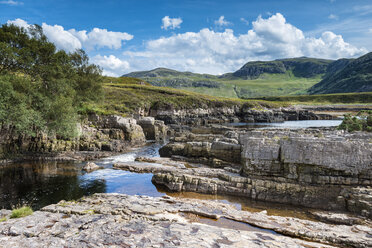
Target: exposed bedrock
[[97, 133], [243, 113], [327, 170], [153, 129], [116, 220]]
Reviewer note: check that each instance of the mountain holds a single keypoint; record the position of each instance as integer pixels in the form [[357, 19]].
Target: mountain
[[282, 77], [165, 72], [171, 78], [354, 75], [300, 67]]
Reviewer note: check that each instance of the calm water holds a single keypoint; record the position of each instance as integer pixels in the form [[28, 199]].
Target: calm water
[[288, 124], [42, 183]]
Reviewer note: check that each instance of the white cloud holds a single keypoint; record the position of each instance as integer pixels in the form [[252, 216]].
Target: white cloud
[[61, 38], [11, 2], [19, 22], [208, 51], [333, 17], [72, 39], [245, 21], [370, 30], [112, 66], [221, 22], [98, 38], [171, 23]]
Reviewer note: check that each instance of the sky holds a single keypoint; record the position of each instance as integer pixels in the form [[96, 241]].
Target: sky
[[211, 37]]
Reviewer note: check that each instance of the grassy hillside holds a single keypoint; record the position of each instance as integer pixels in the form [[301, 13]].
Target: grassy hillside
[[354, 76], [254, 79], [265, 85], [125, 98], [341, 98], [300, 67]]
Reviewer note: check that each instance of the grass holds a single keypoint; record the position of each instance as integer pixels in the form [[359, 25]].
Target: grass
[[3, 219], [21, 212], [127, 98], [340, 98], [265, 85]]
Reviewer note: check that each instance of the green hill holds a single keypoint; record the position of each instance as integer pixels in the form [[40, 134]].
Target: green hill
[[126, 97], [300, 67], [350, 76], [255, 79]]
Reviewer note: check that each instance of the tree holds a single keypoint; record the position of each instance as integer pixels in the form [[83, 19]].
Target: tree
[[41, 87]]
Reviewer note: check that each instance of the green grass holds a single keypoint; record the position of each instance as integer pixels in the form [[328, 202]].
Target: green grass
[[340, 98], [3, 219], [265, 85], [126, 99], [273, 85], [21, 212]]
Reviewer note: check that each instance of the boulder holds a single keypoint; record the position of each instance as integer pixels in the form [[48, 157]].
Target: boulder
[[90, 166]]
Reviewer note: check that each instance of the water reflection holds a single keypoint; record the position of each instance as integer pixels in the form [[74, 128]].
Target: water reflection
[[41, 184]]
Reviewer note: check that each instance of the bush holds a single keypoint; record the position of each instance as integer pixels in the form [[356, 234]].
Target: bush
[[361, 122]]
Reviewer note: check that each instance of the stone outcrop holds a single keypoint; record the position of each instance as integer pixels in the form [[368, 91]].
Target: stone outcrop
[[153, 129], [90, 166], [320, 169], [242, 113], [117, 220], [98, 133]]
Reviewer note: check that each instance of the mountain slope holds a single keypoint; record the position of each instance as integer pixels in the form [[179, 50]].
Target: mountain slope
[[300, 67], [254, 79], [352, 76]]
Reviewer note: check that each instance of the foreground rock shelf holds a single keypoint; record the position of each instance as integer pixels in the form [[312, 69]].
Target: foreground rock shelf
[[114, 220]]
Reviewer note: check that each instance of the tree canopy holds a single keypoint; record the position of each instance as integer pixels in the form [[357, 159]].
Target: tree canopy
[[41, 87]]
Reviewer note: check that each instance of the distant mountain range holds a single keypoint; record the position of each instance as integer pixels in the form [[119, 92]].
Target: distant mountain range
[[272, 78]]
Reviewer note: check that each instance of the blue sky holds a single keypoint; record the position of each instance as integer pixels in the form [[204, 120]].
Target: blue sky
[[200, 36]]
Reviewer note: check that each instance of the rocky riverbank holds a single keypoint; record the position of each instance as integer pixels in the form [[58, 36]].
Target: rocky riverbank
[[323, 169], [99, 136], [115, 220], [234, 114]]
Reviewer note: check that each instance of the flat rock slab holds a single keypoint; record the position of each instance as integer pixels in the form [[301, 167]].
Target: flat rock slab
[[115, 220]]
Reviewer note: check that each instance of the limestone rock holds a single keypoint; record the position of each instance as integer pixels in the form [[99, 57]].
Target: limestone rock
[[90, 166]]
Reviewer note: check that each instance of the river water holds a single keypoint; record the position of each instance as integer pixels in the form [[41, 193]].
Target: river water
[[42, 183]]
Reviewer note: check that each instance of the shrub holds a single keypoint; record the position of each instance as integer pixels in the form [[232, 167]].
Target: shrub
[[361, 122]]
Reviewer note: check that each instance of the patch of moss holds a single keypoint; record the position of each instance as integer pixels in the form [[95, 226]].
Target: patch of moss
[[21, 212], [3, 219]]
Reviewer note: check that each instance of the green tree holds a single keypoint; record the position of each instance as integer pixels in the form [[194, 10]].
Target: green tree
[[42, 88]]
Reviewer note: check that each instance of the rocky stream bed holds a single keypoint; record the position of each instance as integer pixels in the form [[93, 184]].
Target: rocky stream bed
[[325, 172]]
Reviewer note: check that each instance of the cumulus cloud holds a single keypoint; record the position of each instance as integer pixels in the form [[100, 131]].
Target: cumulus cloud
[[72, 39], [11, 2], [112, 66], [19, 22], [61, 38], [208, 51], [171, 23], [221, 22]]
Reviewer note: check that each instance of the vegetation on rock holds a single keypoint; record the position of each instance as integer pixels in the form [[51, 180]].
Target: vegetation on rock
[[361, 122], [21, 212]]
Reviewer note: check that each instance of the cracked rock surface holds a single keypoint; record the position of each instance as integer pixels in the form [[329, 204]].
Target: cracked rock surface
[[115, 220]]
